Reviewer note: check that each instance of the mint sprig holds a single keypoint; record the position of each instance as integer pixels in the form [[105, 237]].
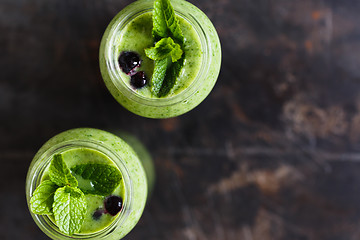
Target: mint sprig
[[164, 48], [171, 74], [69, 209], [61, 197], [104, 178], [160, 28], [158, 76], [165, 22], [60, 174], [42, 200], [170, 41]]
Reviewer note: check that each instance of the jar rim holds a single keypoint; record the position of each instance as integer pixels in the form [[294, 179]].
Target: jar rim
[[42, 162], [120, 21]]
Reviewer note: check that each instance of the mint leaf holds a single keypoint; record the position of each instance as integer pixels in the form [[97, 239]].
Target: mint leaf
[[60, 174], [161, 50], [158, 76], [164, 48], [165, 23], [164, 76], [160, 29], [104, 178], [171, 75], [168, 35], [43, 198], [69, 209], [61, 197], [176, 53], [172, 22]]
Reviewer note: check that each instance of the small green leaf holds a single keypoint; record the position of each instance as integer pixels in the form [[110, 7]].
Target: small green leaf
[[160, 29], [69, 209], [104, 178], [164, 76], [43, 198], [161, 50], [158, 76], [171, 75], [60, 174], [176, 53], [172, 22], [165, 23], [164, 48]]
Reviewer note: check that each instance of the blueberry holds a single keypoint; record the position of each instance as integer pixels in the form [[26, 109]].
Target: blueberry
[[138, 80], [97, 214], [113, 205], [129, 61]]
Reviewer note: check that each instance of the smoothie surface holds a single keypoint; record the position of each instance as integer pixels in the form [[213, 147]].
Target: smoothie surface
[[79, 156], [137, 35]]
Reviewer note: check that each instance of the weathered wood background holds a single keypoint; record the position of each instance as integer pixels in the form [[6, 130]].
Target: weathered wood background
[[272, 153]]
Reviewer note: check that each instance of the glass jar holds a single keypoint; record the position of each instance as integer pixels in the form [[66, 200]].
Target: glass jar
[[176, 104], [119, 153]]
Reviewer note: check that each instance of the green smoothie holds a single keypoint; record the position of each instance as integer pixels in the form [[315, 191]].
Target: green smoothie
[[95, 203], [132, 30], [141, 29], [79, 149]]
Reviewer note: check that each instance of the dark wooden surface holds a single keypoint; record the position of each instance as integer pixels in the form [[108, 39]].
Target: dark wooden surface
[[272, 153]]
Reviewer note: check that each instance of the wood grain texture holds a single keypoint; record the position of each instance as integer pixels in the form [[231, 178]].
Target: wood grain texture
[[272, 153]]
